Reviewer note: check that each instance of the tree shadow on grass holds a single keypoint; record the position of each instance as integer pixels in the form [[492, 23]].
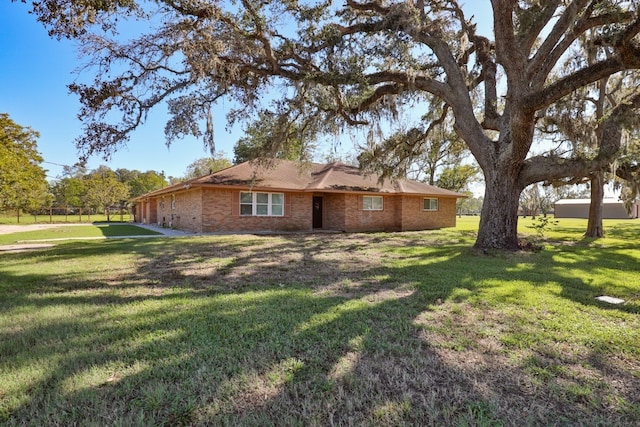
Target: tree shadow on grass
[[294, 330]]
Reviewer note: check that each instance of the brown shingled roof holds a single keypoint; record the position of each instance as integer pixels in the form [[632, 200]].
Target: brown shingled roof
[[276, 174], [306, 177]]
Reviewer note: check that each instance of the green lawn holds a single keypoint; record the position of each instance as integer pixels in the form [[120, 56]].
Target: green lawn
[[74, 232], [337, 329]]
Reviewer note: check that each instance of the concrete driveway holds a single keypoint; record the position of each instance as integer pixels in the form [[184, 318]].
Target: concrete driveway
[[30, 246]]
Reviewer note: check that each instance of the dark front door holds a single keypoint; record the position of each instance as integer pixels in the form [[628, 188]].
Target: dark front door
[[317, 212]]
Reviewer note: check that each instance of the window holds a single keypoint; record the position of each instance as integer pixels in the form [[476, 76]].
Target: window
[[372, 203], [430, 204], [277, 204], [173, 201], [261, 204], [246, 203]]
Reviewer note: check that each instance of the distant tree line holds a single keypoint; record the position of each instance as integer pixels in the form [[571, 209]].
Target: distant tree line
[[24, 187], [81, 192], [101, 190]]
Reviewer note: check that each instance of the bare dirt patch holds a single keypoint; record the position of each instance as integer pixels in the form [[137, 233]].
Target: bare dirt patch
[[334, 265]]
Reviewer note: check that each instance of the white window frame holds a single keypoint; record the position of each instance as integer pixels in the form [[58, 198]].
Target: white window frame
[[371, 205], [255, 204], [430, 208]]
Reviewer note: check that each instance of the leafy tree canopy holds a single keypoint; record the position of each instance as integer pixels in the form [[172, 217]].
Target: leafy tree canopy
[[104, 190], [140, 183], [273, 137], [22, 179], [357, 63], [206, 166], [419, 151], [69, 191], [458, 177]]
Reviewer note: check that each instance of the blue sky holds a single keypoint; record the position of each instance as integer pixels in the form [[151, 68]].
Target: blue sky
[[34, 72]]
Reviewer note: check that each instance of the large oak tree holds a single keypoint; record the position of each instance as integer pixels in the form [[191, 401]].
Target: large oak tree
[[355, 63]]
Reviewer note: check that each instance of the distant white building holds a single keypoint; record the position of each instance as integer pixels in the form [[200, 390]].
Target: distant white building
[[579, 208]]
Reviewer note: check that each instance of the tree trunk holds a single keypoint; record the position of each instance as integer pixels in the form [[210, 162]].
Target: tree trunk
[[499, 217], [594, 225]]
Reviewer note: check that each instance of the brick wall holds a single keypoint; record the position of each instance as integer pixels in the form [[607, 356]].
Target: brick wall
[[221, 212], [146, 211], [210, 210], [357, 219], [163, 208], [216, 208], [333, 216], [181, 210], [399, 204], [188, 211], [399, 213], [414, 217], [141, 212]]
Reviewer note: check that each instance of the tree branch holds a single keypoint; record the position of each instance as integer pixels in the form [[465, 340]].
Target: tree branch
[[527, 36], [555, 46], [508, 52], [372, 6], [549, 52], [578, 79], [549, 168]]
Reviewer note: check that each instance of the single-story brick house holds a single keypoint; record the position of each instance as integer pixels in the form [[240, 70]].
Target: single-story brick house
[[291, 196]]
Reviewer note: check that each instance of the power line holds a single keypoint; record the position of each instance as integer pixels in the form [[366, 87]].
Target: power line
[[51, 163]]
